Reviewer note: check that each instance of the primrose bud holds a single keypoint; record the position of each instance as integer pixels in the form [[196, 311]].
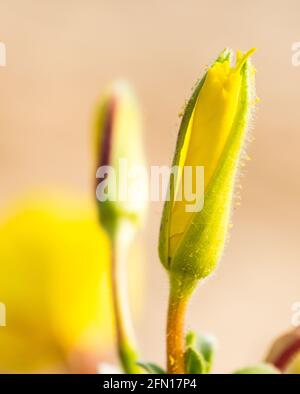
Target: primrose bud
[[122, 187], [212, 136]]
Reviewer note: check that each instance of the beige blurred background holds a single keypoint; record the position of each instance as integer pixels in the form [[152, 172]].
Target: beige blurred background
[[61, 53]]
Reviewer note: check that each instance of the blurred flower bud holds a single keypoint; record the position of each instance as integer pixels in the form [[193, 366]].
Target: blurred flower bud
[[211, 135], [285, 352], [122, 188]]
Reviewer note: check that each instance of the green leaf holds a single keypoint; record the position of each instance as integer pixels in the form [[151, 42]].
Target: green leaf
[[151, 367], [203, 344], [195, 362], [258, 369]]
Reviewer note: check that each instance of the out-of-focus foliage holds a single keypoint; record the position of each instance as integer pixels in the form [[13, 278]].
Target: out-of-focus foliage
[[285, 352]]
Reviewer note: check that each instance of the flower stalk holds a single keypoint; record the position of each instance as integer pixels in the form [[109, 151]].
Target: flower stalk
[[120, 243], [175, 335], [178, 301]]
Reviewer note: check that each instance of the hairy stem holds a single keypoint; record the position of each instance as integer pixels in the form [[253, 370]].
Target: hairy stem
[[178, 300]]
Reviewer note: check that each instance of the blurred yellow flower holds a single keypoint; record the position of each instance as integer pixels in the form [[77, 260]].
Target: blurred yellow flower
[[54, 263]]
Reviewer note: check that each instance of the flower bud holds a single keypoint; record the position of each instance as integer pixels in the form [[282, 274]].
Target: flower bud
[[285, 352], [120, 158], [212, 135]]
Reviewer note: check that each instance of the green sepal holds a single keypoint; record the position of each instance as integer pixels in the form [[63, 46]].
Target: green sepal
[[194, 361], [151, 367], [206, 344], [163, 248], [200, 349]]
